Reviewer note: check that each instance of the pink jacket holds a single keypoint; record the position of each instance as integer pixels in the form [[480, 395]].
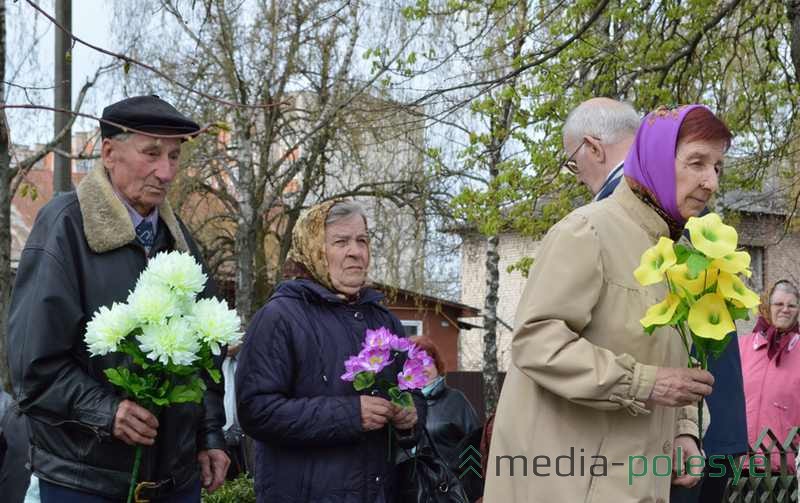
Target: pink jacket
[[772, 394]]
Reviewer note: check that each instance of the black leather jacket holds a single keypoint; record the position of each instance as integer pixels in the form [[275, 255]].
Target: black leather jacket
[[62, 280], [450, 419]]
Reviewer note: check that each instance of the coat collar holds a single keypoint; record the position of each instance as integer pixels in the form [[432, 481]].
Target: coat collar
[[106, 222], [640, 212], [760, 341]]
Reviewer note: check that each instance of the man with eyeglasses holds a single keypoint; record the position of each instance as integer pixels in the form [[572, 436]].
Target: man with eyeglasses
[[597, 136]]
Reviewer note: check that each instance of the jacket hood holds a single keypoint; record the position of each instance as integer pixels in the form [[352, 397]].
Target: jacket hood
[[106, 222]]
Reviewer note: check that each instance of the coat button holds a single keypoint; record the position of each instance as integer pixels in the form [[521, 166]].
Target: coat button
[[358, 315], [378, 479], [667, 447]]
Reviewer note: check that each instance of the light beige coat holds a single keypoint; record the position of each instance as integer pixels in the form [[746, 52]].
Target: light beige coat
[[583, 367]]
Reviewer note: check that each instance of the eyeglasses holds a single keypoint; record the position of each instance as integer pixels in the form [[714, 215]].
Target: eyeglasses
[[571, 164], [781, 305]]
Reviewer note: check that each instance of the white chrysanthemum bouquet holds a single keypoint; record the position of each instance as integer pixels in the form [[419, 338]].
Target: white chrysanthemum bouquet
[[170, 336]]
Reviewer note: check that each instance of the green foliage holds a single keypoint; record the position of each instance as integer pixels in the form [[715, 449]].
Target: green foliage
[[734, 60], [522, 265], [239, 490]]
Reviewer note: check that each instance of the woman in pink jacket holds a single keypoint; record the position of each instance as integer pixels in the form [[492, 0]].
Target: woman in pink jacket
[[771, 371]]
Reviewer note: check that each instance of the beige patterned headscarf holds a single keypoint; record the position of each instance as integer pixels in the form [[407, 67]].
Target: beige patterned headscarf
[[308, 243]]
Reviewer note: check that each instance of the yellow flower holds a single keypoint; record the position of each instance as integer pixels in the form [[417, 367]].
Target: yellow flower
[[711, 236], [733, 263], [679, 275], [655, 261], [661, 313], [731, 287], [709, 317]]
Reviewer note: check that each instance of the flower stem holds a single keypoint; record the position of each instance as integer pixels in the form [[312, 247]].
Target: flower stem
[[136, 462], [704, 366]]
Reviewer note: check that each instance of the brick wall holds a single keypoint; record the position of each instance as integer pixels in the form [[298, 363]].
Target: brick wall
[[780, 251]]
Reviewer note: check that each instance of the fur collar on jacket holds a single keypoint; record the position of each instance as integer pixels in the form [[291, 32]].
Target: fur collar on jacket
[[106, 222]]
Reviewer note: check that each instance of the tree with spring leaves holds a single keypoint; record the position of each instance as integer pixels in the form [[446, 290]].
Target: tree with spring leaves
[[740, 57]]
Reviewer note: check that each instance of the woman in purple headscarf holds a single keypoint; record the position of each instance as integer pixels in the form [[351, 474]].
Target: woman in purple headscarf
[[591, 404]]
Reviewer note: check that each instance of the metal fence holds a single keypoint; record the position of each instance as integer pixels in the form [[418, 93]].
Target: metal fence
[[773, 484]]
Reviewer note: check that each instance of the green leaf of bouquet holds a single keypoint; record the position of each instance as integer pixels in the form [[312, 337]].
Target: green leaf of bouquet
[[650, 329], [697, 263], [363, 380], [215, 375], [738, 313], [681, 312], [712, 347], [183, 393], [395, 394], [161, 402], [118, 377], [682, 253], [405, 400]]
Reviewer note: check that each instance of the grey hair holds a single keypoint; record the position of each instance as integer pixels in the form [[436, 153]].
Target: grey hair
[[785, 286], [608, 120], [344, 209], [122, 136]]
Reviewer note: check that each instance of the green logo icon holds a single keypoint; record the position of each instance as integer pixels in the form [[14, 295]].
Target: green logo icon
[[470, 459]]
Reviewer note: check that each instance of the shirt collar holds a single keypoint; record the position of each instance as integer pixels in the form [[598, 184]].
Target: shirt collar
[[136, 218], [614, 174]]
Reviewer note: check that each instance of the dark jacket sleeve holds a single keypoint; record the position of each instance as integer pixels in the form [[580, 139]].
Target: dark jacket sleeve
[[45, 329], [209, 435], [267, 410]]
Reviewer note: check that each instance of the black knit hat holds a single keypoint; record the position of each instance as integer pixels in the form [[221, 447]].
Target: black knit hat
[[150, 114]]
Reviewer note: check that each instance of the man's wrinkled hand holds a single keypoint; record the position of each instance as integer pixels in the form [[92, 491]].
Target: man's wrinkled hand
[[214, 465], [677, 387], [135, 425], [689, 475]]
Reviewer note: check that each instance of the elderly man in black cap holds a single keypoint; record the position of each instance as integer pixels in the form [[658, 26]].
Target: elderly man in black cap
[[86, 250]]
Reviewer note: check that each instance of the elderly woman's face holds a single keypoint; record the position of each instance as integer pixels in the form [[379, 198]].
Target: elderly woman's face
[[347, 251], [783, 309], [698, 165]]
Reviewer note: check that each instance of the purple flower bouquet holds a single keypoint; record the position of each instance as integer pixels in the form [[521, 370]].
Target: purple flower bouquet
[[379, 350]]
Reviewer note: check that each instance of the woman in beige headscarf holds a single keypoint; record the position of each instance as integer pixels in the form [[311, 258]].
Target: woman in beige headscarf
[[317, 438]]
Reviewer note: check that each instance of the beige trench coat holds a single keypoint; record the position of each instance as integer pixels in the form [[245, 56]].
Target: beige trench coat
[[583, 368]]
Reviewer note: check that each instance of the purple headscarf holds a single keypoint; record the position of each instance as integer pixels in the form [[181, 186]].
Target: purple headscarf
[[651, 159]]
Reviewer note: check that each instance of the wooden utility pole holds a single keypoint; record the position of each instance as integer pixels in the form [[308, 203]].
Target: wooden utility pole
[[62, 165]]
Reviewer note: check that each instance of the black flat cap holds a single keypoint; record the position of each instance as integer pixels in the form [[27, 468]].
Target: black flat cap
[[150, 114]]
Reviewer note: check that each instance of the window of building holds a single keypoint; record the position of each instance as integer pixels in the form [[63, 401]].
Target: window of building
[[413, 327]]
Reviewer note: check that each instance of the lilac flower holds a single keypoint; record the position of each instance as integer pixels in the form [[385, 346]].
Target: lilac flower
[[419, 355], [373, 359], [352, 367], [380, 338], [401, 344], [413, 375]]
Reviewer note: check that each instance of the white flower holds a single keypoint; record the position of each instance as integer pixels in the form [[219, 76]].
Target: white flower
[[108, 327], [174, 341], [215, 323], [152, 303], [177, 270]]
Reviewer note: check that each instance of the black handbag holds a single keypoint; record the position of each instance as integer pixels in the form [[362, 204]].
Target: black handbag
[[426, 478]]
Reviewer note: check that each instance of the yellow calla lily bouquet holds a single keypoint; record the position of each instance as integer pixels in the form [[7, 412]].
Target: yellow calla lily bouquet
[[706, 293]]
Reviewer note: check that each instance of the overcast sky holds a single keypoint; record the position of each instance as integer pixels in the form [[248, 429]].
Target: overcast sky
[[31, 63]]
